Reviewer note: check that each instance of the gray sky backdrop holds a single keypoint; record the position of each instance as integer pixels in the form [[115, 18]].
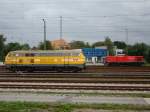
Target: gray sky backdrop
[[87, 20]]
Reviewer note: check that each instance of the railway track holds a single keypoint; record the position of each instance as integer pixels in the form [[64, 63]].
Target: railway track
[[76, 75], [77, 80], [136, 78], [130, 78], [76, 86], [2, 68], [94, 69], [94, 78], [117, 69]]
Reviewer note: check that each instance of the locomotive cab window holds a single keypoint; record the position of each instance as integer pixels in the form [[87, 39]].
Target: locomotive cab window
[[10, 55], [29, 55]]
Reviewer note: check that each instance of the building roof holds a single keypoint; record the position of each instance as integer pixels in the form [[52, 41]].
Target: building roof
[[59, 44], [48, 51]]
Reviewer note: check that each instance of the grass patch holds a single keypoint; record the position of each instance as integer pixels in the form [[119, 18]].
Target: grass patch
[[116, 107], [62, 107], [21, 106], [111, 106]]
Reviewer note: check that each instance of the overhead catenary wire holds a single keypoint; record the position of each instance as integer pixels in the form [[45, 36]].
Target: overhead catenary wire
[[78, 1]]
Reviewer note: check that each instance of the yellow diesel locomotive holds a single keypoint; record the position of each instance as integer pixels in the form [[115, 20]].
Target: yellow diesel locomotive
[[49, 60]]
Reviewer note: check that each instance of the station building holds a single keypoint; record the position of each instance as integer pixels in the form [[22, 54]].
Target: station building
[[60, 44], [95, 55]]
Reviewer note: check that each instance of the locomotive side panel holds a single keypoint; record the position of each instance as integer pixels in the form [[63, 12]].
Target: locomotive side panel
[[46, 61]]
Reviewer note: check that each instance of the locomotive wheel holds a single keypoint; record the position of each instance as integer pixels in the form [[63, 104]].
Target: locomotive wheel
[[13, 69], [75, 70], [59, 70], [30, 69]]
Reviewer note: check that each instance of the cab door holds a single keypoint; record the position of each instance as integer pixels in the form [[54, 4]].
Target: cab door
[[15, 59], [32, 59], [29, 59], [66, 60]]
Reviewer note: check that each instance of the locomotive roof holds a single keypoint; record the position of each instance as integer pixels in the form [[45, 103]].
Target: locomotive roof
[[48, 51]]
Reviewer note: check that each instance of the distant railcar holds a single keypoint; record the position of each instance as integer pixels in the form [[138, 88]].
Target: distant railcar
[[54, 60], [124, 60]]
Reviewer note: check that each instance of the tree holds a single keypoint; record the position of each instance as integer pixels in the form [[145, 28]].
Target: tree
[[34, 48], [25, 47], [77, 44], [12, 47], [148, 56], [48, 45], [2, 47], [139, 49], [87, 45], [100, 43], [109, 45], [15, 46], [120, 44]]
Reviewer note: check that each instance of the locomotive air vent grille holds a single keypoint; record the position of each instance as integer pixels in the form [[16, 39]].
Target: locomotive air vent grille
[[20, 60], [32, 61]]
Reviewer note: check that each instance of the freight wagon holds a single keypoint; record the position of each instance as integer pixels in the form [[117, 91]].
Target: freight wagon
[[56, 60], [124, 60]]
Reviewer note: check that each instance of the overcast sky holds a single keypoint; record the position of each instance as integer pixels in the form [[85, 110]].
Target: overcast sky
[[87, 20]]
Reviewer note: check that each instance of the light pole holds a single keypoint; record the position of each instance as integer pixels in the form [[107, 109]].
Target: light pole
[[60, 27], [44, 33], [127, 39]]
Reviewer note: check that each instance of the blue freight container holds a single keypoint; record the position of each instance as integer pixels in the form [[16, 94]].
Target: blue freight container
[[94, 52]]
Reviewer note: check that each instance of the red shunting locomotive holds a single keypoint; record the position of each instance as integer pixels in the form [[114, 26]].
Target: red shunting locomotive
[[124, 60]]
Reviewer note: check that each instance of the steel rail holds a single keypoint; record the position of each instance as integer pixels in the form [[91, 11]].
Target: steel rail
[[76, 87]]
